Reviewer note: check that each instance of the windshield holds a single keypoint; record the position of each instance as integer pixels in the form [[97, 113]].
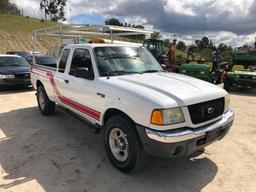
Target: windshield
[[45, 60], [23, 54], [125, 60], [13, 61]]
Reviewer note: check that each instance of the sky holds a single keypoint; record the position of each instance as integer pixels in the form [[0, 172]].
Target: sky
[[232, 22]]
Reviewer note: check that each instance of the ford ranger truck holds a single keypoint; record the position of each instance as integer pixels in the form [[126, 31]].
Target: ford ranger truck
[[142, 109]]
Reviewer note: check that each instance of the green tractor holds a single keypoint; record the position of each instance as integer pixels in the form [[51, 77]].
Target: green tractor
[[243, 70], [156, 48], [208, 70]]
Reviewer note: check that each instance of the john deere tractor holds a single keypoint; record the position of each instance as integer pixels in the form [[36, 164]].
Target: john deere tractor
[[156, 47], [243, 71], [208, 70]]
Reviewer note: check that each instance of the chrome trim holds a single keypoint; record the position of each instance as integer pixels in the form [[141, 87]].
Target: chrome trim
[[174, 137]]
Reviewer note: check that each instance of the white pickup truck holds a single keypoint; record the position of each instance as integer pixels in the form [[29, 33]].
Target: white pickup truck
[[142, 109]]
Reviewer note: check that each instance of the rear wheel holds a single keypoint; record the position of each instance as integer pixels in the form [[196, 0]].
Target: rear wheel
[[45, 105], [122, 144]]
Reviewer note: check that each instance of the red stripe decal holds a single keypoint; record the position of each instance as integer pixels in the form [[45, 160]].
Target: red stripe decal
[[86, 110]]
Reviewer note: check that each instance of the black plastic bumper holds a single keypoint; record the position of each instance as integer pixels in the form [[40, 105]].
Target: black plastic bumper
[[181, 148], [14, 82]]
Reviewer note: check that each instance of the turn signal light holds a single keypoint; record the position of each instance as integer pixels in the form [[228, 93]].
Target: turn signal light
[[157, 117]]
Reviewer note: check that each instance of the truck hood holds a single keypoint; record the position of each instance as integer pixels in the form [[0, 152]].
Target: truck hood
[[161, 87]]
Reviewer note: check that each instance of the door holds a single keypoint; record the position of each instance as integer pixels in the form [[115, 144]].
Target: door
[[60, 75], [81, 89]]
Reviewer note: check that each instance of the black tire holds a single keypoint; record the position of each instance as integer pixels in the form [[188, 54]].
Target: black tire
[[137, 157], [49, 107], [227, 85]]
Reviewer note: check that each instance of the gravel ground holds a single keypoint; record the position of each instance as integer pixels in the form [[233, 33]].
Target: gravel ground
[[60, 153]]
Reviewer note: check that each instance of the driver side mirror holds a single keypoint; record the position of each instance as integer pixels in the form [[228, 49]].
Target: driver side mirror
[[83, 73]]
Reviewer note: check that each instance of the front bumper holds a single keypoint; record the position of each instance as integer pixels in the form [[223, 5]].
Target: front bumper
[[184, 141], [14, 82]]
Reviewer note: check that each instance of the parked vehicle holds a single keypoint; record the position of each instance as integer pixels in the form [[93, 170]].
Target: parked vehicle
[[14, 70], [23, 54], [210, 70], [43, 60], [156, 48], [243, 72], [143, 110]]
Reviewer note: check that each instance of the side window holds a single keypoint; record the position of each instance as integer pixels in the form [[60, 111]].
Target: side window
[[63, 60], [81, 60]]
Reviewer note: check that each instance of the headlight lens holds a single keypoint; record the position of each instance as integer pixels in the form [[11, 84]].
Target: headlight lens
[[6, 76], [183, 71], [202, 72], [237, 76], [167, 116], [227, 103], [254, 77]]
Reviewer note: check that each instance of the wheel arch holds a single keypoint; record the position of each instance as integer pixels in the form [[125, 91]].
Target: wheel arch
[[114, 111], [38, 83]]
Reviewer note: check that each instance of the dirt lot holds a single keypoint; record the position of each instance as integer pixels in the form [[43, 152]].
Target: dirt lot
[[59, 153]]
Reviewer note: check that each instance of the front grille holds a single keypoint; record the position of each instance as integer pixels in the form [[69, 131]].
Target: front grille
[[206, 111], [22, 76]]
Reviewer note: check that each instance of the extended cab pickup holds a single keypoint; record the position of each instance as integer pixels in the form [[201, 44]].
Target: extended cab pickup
[[142, 109]]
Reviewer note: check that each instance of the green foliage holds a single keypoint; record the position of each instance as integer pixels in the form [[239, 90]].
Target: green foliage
[[181, 46], [20, 24], [204, 43], [117, 22], [113, 21], [9, 8], [54, 9], [155, 35]]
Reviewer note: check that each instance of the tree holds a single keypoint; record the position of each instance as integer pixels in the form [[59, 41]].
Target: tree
[[205, 42], [54, 9], [222, 47], [113, 21], [9, 8], [155, 35], [181, 46]]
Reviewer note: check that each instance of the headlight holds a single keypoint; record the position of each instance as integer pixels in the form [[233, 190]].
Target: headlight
[[202, 72], [227, 102], [237, 76], [183, 71], [6, 76], [167, 116], [254, 77]]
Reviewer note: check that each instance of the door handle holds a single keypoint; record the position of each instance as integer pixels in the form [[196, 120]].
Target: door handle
[[66, 81]]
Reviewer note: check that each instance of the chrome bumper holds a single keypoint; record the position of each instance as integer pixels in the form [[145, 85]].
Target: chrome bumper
[[184, 135]]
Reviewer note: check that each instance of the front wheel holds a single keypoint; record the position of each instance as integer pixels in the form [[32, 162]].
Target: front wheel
[[45, 105], [122, 144]]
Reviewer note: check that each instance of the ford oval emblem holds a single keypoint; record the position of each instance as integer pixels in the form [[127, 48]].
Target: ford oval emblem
[[210, 110]]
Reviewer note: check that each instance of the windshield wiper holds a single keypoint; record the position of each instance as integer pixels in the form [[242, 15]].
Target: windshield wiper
[[151, 71]]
